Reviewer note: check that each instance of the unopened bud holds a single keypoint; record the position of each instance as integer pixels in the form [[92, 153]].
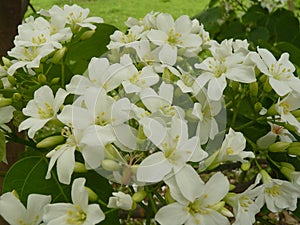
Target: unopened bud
[[272, 111], [110, 152], [279, 146], [93, 197], [42, 78], [294, 150], [246, 166], [5, 101], [80, 168], [15, 193], [59, 55], [139, 196], [6, 62], [287, 165], [225, 212], [231, 187], [258, 107], [17, 97], [141, 137], [253, 87], [265, 176], [267, 87], [55, 80], [235, 85], [296, 113], [86, 35], [286, 172], [168, 197], [218, 206], [50, 141], [110, 165], [12, 80], [168, 76], [263, 78], [134, 168], [290, 127]]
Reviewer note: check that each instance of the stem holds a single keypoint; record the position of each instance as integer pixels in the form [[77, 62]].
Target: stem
[[101, 202], [110, 211], [152, 202], [62, 75], [160, 198], [14, 138], [245, 125]]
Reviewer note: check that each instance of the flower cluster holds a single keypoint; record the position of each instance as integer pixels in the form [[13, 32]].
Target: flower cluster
[[152, 112]]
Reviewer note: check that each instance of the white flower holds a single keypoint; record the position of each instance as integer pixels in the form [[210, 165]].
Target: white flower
[[224, 64], [279, 194], [42, 109], [199, 210], [276, 131], [100, 75], [284, 108], [120, 200], [80, 212], [232, 148], [74, 15], [176, 149], [6, 114], [280, 73], [14, 212], [246, 204]]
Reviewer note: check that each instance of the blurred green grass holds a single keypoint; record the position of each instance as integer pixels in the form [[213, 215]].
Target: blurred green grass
[[116, 12]]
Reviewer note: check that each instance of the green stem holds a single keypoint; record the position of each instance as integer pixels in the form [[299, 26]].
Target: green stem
[[110, 211], [160, 198], [245, 125], [152, 202], [62, 75], [273, 162], [14, 138], [101, 202]]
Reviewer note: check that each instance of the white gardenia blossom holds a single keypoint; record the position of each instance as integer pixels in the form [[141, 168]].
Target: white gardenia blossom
[[232, 148], [285, 106], [225, 64], [15, 213], [279, 194], [41, 109], [202, 209], [120, 200], [80, 212], [275, 132], [280, 73], [74, 15]]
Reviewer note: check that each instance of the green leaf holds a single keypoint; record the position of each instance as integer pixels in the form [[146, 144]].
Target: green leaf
[[232, 29], [255, 15], [2, 148], [258, 35], [80, 54], [28, 176]]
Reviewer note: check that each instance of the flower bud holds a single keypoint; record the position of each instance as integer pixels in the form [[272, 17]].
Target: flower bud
[[267, 87], [263, 78], [86, 35], [265, 176], [253, 87], [272, 111], [50, 141], [5, 101], [258, 107], [1, 84], [231, 187], [134, 168], [110, 152], [17, 97], [6, 62], [168, 76], [218, 206], [42, 78], [93, 197], [59, 55], [12, 80], [246, 166], [235, 85], [296, 113], [141, 137], [225, 212], [139, 196], [110, 165], [294, 150], [287, 165], [80, 168], [15, 193], [55, 80], [279, 146], [286, 172], [168, 197]]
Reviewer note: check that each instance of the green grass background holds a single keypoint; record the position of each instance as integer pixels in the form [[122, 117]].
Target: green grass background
[[116, 12]]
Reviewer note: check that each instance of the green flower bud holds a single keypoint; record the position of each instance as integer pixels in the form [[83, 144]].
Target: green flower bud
[[50, 141], [12, 80], [1, 84], [17, 97], [218, 206], [134, 168], [5, 101], [258, 107], [294, 150], [231, 187], [141, 137], [294, 144], [267, 87], [110, 152], [246, 166], [59, 55], [287, 165], [55, 80], [93, 197], [6, 62], [15, 193], [139, 196], [279, 146], [290, 127], [272, 111], [286, 172], [42, 78], [296, 113], [168, 197], [86, 35], [168, 76], [110, 165], [253, 87], [265, 176], [235, 85], [263, 79], [80, 168]]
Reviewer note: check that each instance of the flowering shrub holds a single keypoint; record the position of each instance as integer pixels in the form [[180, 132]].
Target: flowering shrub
[[161, 119]]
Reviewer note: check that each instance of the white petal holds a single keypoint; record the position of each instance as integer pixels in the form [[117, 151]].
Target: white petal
[[78, 85], [266, 140], [183, 24], [79, 193], [168, 54], [94, 214], [173, 214], [65, 166], [157, 37], [35, 206], [280, 87]]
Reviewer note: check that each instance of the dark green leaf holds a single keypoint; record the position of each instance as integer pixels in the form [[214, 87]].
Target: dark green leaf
[[258, 35], [293, 50], [2, 147]]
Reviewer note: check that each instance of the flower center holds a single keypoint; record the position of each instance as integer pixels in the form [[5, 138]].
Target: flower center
[[285, 106], [229, 151], [46, 112], [76, 216], [173, 38], [245, 202]]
